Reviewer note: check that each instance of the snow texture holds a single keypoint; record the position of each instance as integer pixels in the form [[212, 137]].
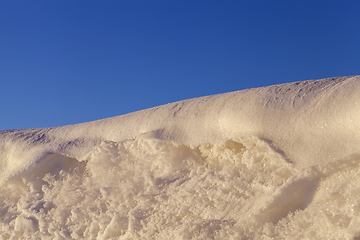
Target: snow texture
[[277, 162]]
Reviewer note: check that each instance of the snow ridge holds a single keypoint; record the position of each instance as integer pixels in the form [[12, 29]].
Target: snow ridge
[[256, 163]]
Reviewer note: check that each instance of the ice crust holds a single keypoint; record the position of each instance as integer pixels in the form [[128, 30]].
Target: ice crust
[[278, 162]]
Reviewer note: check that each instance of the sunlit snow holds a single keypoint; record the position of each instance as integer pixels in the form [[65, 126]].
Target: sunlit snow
[[278, 162]]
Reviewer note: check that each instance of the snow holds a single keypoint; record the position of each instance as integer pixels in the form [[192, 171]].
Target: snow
[[277, 162]]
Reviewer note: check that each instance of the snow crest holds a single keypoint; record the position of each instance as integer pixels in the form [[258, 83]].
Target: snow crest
[[277, 162]]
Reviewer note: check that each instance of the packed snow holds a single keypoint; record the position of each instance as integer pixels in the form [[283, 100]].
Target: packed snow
[[277, 162]]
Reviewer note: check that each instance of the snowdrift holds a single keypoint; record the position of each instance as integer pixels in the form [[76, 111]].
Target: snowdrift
[[277, 162]]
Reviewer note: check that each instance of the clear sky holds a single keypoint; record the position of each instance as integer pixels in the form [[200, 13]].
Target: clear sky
[[70, 61]]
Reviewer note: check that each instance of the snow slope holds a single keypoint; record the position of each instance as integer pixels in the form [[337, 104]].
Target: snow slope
[[273, 162]]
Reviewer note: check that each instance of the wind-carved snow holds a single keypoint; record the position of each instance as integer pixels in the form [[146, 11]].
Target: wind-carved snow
[[278, 162]]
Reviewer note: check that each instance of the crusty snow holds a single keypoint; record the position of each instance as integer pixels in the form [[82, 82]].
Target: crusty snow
[[277, 162]]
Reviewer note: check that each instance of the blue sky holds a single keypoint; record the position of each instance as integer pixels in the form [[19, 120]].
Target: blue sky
[[70, 61]]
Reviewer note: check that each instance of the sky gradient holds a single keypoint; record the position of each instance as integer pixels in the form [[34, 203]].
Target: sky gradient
[[66, 62]]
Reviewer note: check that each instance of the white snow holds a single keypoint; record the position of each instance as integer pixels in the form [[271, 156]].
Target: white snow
[[277, 162]]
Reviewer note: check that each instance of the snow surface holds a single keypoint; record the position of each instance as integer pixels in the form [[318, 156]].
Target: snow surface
[[277, 162]]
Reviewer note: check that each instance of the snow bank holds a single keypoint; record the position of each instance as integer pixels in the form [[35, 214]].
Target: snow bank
[[273, 162]]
